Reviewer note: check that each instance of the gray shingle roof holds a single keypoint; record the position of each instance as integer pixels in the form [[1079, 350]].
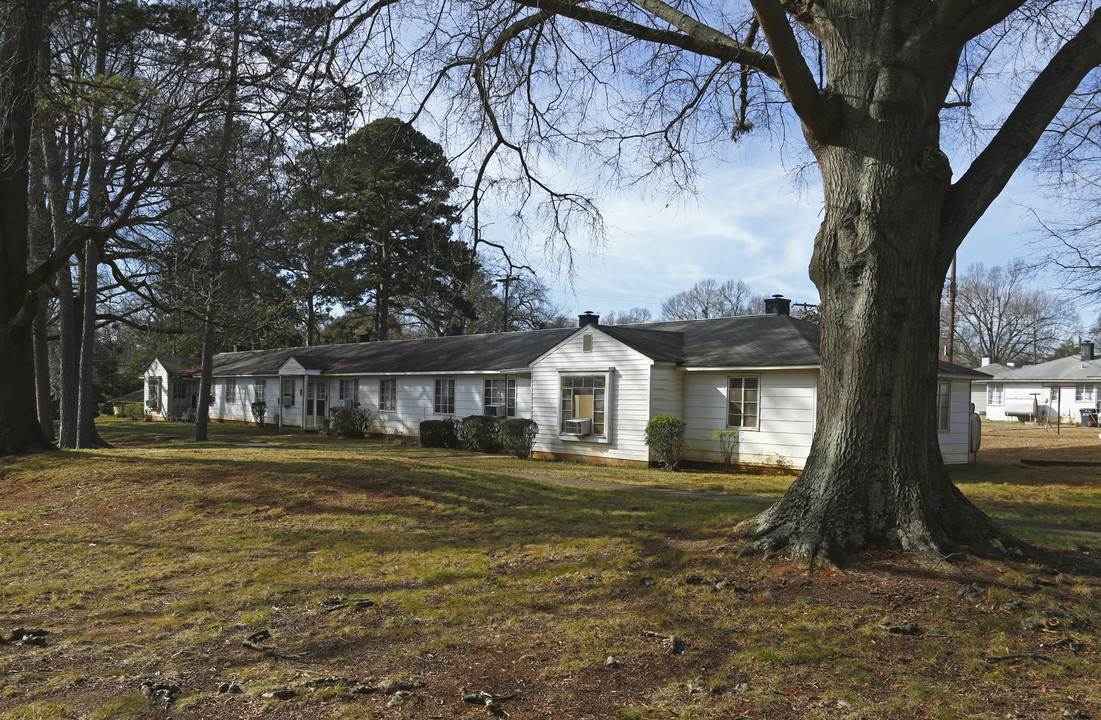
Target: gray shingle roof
[[659, 345], [947, 368], [1068, 369], [181, 365], [135, 396], [745, 341], [742, 341], [500, 351]]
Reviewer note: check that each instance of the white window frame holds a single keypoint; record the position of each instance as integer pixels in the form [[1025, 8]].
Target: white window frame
[[260, 391], [944, 407], [153, 390], [388, 395], [443, 399], [741, 389], [491, 392], [1084, 393], [348, 392], [604, 434], [292, 391], [231, 391], [995, 393], [179, 390]]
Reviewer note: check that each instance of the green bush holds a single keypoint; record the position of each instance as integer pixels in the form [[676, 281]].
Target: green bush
[[480, 433], [349, 421], [518, 436], [664, 436], [134, 411], [324, 425], [439, 433]]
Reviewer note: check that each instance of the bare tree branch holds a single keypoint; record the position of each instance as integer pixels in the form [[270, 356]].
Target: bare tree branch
[[807, 100], [973, 193], [731, 51]]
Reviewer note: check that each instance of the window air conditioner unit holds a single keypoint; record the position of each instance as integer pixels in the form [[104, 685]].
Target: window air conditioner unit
[[288, 400], [579, 426], [497, 410]]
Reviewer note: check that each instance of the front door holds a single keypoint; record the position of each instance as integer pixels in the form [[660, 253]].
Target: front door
[[316, 401]]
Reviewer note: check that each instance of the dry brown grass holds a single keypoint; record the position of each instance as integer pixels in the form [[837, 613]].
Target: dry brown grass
[[154, 561]]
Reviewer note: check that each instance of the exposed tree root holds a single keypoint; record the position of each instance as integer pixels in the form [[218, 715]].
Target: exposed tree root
[[819, 535]]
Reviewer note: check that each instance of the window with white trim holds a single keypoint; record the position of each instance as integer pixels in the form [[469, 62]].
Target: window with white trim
[[260, 391], [584, 396], [231, 391], [289, 394], [179, 390], [1084, 393], [944, 406], [388, 394], [995, 394], [444, 398], [500, 391], [348, 393], [743, 403]]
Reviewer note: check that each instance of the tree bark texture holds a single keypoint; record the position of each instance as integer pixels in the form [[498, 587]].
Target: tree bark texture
[[218, 240], [68, 357], [41, 242], [875, 475], [69, 339], [19, 428], [87, 437]]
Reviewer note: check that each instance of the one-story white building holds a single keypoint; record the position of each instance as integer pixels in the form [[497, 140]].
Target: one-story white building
[[1056, 390], [591, 389]]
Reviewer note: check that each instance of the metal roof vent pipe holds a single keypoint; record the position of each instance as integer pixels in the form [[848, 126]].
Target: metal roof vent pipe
[[239, 347], [777, 305], [985, 360], [363, 337], [589, 318], [1087, 351]]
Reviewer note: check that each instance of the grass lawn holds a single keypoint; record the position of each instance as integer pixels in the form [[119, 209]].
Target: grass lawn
[[154, 561]]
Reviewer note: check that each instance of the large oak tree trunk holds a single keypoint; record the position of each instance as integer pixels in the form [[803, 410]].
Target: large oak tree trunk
[[19, 428], [875, 476]]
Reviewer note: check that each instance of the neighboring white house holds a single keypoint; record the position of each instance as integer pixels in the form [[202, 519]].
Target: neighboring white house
[[591, 389], [1059, 388]]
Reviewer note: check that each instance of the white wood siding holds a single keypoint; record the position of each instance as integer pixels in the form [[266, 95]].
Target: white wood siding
[[241, 408], [954, 443], [787, 407], [666, 391], [627, 399], [415, 397]]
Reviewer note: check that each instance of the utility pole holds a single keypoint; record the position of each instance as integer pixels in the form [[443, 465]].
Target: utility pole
[[505, 281]]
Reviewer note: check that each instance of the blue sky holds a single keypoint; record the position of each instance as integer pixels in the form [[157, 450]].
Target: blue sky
[[750, 220]]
